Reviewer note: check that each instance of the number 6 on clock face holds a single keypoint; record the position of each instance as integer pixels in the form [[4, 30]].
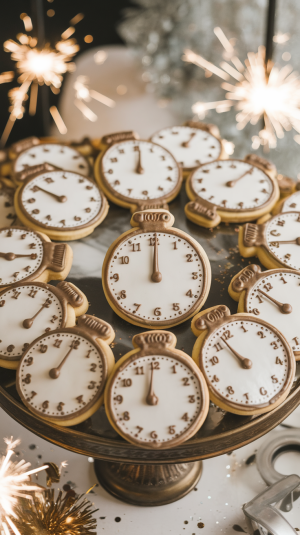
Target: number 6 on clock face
[[155, 275]]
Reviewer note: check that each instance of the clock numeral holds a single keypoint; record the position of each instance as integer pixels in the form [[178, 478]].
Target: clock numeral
[[189, 293], [123, 294], [93, 367], [129, 191], [126, 382], [224, 203], [145, 192], [278, 361], [29, 361], [57, 343], [27, 379], [10, 348], [218, 347], [152, 241], [31, 201], [275, 233], [175, 244], [189, 257], [88, 210], [186, 381], [246, 396], [88, 354], [79, 399], [137, 307], [195, 275], [287, 257], [261, 334], [263, 391], [185, 417], [268, 287], [121, 151], [75, 344], [140, 429], [9, 234], [45, 404], [260, 300], [16, 294], [172, 430], [35, 211], [275, 244], [113, 160], [136, 148], [226, 335], [118, 399], [48, 217], [274, 379], [32, 395], [296, 340], [176, 306], [283, 280], [215, 379], [32, 293], [256, 311], [230, 390], [155, 365], [241, 204], [136, 247], [2, 303], [139, 370], [244, 329], [110, 171], [214, 361], [60, 406], [160, 188], [157, 311], [43, 348], [63, 222], [298, 219], [274, 344], [115, 277], [23, 236], [163, 158], [153, 434], [54, 318], [25, 347], [92, 385], [124, 259], [77, 218], [32, 246], [192, 399], [281, 223], [126, 416], [49, 180]]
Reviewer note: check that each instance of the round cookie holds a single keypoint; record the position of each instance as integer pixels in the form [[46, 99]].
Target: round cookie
[[156, 397], [27, 310], [275, 241], [273, 296], [137, 174], [288, 204], [247, 363], [156, 276], [231, 191], [192, 144], [62, 375], [27, 256], [62, 204]]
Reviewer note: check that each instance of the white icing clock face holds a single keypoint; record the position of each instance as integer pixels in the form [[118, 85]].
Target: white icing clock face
[[246, 363], [292, 204], [26, 312], [155, 399], [55, 154], [232, 185], [276, 299], [60, 199], [21, 254], [140, 170], [61, 375], [130, 273], [190, 146], [7, 211], [282, 234]]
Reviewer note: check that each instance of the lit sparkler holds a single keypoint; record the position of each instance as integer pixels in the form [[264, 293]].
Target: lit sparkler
[[14, 484], [255, 94], [84, 94]]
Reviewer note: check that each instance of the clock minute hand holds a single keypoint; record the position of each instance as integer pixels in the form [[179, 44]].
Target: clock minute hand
[[285, 308], [186, 144], [13, 256], [246, 363], [55, 372], [139, 168], [156, 274], [29, 321], [296, 241], [59, 198], [232, 183], [151, 398]]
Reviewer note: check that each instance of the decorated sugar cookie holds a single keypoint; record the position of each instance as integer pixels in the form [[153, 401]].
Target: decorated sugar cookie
[[62, 375], [156, 276], [289, 203], [231, 191], [28, 310], [272, 295], [275, 242], [32, 152], [192, 144], [62, 204], [156, 397], [135, 173], [287, 185], [247, 363], [27, 256], [7, 210]]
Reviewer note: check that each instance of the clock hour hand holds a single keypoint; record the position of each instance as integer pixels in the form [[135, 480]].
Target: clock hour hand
[[29, 321], [156, 274], [246, 363], [13, 256], [186, 144], [296, 241], [59, 198], [285, 308], [55, 372], [151, 398], [232, 183], [139, 168]]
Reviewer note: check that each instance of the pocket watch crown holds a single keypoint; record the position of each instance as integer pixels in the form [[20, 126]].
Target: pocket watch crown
[[119, 136], [202, 207], [207, 127], [95, 326], [261, 162], [56, 255], [72, 293], [164, 338], [152, 216], [211, 318], [248, 273], [250, 234], [35, 170], [24, 144]]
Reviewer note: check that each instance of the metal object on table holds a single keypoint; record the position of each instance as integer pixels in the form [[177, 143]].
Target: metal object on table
[[151, 477], [261, 514]]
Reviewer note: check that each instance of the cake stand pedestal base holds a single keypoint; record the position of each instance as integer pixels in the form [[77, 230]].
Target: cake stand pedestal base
[[148, 484]]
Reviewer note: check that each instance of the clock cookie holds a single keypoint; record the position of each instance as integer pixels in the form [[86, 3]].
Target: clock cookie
[[231, 191], [156, 276], [156, 397], [62, 204], [62, 375], [27, 310], [32, 152], [7, 210], [289, 203], [275, 242], [192, 144], [247, 363], [135, 173], [27, 256], [272, 295]]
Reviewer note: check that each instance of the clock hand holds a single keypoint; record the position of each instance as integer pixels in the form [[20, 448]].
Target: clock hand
[[151, 399], [285, 308], [55, 372], [29, 321], [59, 198], [156, 275], [186, 144], [232, 183], [139, 169], [246, 363], [296, 241], [13, 256]]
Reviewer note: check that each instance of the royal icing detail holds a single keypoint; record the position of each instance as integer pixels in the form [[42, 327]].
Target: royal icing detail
[[232, 185], [284, 228], [190, 146], [61, 199], [21, 254], [54, 153], [292, 203], [7, 211]]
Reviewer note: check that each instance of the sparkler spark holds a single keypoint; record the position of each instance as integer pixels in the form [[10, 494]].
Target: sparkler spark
[[254, 93], [84, 94], [14, 484]]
